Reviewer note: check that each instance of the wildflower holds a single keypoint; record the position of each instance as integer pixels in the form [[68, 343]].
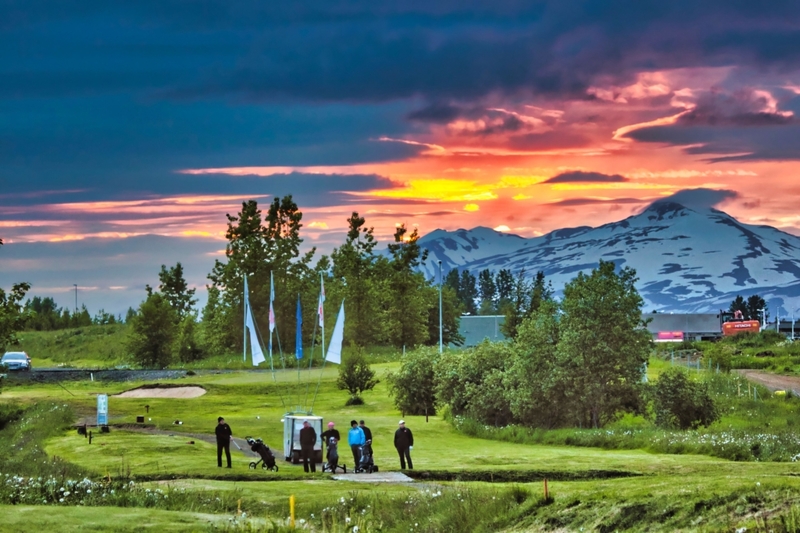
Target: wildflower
[[346, 519]]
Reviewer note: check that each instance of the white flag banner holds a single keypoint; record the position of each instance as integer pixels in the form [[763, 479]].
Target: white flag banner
[[334, 354], [255, 346], [321, 307]]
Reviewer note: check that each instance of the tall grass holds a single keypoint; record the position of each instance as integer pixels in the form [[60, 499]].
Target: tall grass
[[756, 426]]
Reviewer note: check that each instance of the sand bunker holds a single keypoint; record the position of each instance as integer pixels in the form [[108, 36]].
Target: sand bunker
[[163, 392]]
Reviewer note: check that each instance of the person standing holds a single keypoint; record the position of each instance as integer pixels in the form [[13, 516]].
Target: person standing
[[355, 439], [331, 433], [404, 442], [224, 438], [308, 438], [366, 430]]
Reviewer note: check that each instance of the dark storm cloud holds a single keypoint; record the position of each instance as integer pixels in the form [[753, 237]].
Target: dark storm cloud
[[743, 125], [585, 177], [366, 51], [436, 113]]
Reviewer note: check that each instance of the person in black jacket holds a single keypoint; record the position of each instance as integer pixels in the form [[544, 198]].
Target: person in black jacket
[[224, 438], [308, 438], [366, 430], [404, 441]]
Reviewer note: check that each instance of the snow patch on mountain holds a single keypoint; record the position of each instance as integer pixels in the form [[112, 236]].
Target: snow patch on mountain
[[688, 259]]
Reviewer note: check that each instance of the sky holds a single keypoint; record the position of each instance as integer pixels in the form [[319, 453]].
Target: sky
[[129, 129]]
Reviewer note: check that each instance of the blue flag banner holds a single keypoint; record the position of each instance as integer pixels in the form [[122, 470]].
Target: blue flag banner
[[299, 337]]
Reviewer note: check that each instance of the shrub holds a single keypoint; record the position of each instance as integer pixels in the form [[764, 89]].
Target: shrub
[[414, 385], [682, 403], [355, 376]]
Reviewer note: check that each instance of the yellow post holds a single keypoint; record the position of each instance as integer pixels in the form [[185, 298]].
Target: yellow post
[[291, 510]]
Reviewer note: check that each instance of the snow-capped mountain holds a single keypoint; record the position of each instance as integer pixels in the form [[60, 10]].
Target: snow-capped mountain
[[687, 259]]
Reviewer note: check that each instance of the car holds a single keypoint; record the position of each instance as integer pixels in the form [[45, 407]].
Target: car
[[16, 361]]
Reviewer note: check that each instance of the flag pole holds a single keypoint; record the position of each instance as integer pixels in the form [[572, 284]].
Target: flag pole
[[322, 370]]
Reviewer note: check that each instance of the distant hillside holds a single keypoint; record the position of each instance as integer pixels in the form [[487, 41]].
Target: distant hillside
[[88, 347], [687, 259]]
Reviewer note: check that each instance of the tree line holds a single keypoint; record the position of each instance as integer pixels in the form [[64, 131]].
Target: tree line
[[514, 296], [577, 362], [387, 300]]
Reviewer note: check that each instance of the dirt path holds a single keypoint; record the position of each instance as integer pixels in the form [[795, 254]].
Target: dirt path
[[773, 381]]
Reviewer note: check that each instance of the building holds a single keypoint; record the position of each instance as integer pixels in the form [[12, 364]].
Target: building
[[475, 329], [692, 326]]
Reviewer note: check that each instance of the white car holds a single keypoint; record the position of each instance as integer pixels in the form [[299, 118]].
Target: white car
[[16, 361]]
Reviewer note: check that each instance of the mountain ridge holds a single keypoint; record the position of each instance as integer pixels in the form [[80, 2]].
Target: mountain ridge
[[688, 259]]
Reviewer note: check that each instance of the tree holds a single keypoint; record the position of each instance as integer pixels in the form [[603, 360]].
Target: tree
[[451, 316], [471, 382], [738, 304], [488, 292], [355, 376], [535, 395], [357, 266], [258, 247], [468, 292], [681, 403], [505, 286], [413, 386], [407, 310], [755, 304], [175, 289], [516, 307], [602, 345], [153, 332], [187, 347]]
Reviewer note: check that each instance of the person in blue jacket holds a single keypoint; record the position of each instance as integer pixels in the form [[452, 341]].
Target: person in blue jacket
[[355, 438]]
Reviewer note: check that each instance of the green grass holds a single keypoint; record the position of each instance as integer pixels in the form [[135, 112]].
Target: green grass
[[26, 518], [676, 491], [87, 347]]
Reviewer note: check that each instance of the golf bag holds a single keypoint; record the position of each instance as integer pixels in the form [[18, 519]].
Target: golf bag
[[333, 458], [267, 457], [366, 464]]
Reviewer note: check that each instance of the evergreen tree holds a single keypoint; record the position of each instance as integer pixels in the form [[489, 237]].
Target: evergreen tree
[[355, 376], [488, 292], [175, 289], [755, 304], [468, 292], [356, 266], [258, 247], [738, 304], [153, 332], [451, 313], [408, 313], [505, 286], [516, 307]]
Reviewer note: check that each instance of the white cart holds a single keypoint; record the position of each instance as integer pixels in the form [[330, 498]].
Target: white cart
[[292, 424]]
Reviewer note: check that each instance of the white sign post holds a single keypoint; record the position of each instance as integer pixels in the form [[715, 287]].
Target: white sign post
[[102, 409]]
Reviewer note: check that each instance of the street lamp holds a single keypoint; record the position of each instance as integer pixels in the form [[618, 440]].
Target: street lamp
[[763, 319], [440, 306], [76, 298]]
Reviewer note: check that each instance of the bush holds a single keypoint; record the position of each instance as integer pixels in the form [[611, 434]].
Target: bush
[[681, 403], [355, 376], [472, 382], [153, 333], [414, 385]]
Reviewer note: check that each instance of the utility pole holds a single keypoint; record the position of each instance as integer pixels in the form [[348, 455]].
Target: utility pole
[[76, 298], [763, 319], [440, 306]]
